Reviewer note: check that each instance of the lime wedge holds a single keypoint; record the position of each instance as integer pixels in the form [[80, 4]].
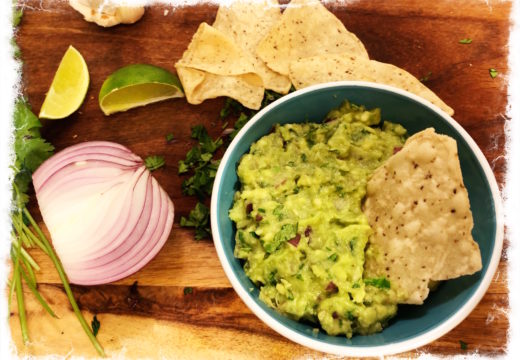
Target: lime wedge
[[68, 88], [137, 85]]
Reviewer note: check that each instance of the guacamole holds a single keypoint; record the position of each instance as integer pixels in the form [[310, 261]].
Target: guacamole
[[300, 228]]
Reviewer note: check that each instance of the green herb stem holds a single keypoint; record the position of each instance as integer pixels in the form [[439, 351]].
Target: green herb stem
[[38, 296], [24, 232], [25, 240], [25, 254], [11, 291], [19, 296], [31, 278], [64, 280], [34, 239]]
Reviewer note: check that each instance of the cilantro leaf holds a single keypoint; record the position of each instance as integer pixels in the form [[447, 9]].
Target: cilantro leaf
[[200, 159], [188, 290], [198, 219], [426, 77], [17, 53], [231, 106], [154, 162], [463, 345], [333, 257], [201, 183], [239, 124], [271, 96], [31, 152], [192, 158], [207, 144], [493, 73], [287, 232], [95, 325], [380, 283], [169, 138], [24, 119], [29, 148], [17, 14], [465, 41]]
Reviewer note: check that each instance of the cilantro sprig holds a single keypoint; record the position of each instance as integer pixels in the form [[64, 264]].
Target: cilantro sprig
[[29, 148], [30, 151]]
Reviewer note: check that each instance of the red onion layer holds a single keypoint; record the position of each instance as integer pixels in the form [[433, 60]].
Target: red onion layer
[[107, 216]]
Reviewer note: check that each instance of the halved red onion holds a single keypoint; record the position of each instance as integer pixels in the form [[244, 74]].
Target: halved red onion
[[107, 216]]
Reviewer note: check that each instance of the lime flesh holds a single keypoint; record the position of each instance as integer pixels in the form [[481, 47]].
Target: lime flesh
[[137, 85], [68, 88]]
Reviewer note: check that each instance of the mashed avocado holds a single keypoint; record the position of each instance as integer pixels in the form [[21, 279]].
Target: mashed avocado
[[300, 228]]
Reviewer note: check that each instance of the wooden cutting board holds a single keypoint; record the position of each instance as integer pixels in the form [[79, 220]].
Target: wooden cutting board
[[155, 317]]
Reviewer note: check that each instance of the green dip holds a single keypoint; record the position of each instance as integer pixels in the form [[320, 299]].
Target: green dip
[[300, 228]]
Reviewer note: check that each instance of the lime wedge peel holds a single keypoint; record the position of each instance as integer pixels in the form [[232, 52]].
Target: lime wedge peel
[[68, 88], [137, 85]]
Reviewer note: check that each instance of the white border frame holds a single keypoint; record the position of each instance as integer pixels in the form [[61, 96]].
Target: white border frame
[[376, 351]]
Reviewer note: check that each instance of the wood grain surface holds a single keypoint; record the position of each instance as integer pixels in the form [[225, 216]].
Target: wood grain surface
[[155, 318]]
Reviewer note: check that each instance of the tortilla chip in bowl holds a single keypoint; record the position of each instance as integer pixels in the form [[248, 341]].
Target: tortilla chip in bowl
[[414, 325]]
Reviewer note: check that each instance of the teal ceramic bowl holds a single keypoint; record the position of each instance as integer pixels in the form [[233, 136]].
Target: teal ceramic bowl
[[413, 326]]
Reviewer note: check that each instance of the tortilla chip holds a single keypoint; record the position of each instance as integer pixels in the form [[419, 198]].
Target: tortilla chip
[[419, 211], [213, 65], [246, 24], [200, 86], [337, 67], [306, 29]]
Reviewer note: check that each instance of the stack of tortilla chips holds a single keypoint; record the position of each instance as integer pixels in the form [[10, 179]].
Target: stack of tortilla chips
[[221, 59], [252, 46]]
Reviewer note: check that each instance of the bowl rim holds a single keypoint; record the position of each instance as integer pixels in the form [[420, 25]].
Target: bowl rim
[[346, 350]]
